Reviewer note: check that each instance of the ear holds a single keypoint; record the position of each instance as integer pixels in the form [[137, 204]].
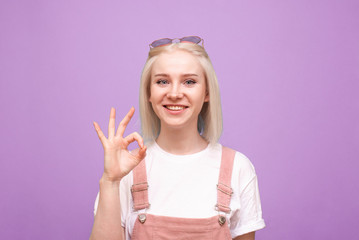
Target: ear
[[206, 99], [149, 99]]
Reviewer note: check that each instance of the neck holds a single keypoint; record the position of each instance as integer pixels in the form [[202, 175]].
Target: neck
[[181, 141]]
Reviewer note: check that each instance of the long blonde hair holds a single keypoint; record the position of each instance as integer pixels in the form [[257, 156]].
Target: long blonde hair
[[210, 118]]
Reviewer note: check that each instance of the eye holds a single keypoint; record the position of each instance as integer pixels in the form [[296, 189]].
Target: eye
[[190, 82], [161, 82]]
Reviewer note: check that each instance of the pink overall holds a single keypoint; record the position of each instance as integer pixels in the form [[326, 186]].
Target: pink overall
[[152, 227]]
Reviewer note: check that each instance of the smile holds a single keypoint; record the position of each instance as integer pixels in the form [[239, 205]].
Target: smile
[[175, 107]]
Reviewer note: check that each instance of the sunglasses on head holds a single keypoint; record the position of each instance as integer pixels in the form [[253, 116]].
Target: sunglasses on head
[[165, 41]]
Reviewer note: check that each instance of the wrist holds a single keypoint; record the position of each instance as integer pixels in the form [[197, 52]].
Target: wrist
[[105, 180]]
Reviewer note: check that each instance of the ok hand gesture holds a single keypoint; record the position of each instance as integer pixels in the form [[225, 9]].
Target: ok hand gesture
[[118, 160]]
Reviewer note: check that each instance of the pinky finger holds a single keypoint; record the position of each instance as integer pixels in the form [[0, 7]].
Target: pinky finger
[[100, 134]]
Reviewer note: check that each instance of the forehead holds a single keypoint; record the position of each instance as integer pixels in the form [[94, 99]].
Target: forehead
[[177, 62]]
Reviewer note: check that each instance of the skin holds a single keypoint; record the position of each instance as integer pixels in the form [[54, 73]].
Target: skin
[[177, 78], [247, 236], [118, 162]]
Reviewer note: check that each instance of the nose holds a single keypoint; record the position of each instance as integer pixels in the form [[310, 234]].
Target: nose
[[175, 92]]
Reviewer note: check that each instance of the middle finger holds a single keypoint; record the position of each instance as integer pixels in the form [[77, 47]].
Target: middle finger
[[123, 124]]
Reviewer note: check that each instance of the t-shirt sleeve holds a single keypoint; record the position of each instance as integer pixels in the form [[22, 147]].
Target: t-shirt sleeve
[[96, 204], [126, 198], [249, 217]]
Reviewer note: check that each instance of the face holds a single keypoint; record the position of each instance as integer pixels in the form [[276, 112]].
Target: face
[[177, 89]]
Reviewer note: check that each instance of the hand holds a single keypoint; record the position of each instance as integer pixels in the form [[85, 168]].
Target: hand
[[118, 160]]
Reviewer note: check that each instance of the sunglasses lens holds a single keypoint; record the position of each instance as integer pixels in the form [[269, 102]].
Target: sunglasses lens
[[193, 39], [160, 42]]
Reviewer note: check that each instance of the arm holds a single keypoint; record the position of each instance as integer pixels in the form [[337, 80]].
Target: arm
[[247, 236], [248, 220], [118, 163], [107, 224]]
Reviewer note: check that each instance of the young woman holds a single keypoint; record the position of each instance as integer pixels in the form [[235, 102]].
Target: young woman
[[180, 183]]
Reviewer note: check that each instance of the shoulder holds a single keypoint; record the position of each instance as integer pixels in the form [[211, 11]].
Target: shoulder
[[243, 171], [241, 162]]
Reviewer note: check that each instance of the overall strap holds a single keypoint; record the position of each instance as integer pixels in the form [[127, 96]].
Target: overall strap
[[139, 188], [224, 190]]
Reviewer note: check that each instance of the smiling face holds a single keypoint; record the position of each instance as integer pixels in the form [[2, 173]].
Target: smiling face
[[177, 89]]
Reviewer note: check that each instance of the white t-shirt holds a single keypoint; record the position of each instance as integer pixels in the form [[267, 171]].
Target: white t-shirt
[[185, 186]]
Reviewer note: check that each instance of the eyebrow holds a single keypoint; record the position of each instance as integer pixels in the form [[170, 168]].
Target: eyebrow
[[184, 75]]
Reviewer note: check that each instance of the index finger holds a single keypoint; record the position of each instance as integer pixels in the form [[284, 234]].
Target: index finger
[[123, 124]]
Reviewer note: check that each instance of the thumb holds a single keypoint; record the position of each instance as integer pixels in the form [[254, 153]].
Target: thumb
[[139, 153], [142, 152]]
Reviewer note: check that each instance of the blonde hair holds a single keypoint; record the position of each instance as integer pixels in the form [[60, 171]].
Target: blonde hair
[[210, 118]]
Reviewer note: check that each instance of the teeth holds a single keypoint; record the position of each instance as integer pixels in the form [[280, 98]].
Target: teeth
[[175, 108]]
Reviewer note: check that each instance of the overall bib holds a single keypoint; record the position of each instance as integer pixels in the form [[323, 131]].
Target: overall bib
[[153, 227]]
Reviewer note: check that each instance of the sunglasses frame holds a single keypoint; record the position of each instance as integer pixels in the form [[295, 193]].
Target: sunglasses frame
[[179, 39]]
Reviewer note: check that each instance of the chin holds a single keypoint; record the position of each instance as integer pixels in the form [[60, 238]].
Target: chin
[[175, 126]]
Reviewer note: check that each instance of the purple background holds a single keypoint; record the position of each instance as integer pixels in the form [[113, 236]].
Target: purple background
[[288, 73]]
